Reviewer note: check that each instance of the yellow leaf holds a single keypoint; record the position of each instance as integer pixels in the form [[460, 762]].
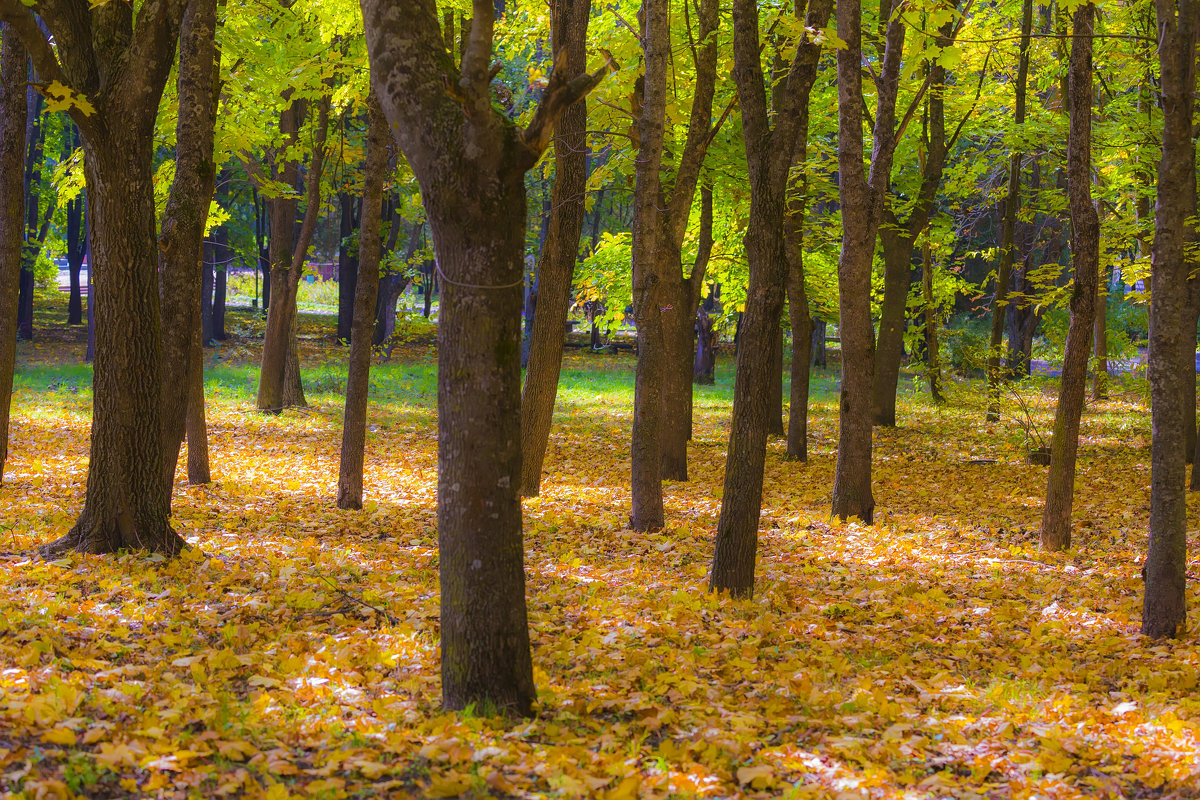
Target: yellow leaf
[[759, 777], [60, 736], [449, 785]]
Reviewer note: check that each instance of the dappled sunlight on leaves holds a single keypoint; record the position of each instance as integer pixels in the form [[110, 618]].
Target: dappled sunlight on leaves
[[294, 651]]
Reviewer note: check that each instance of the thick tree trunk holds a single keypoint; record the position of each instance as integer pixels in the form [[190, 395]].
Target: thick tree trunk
[[1172, 344], [470, 162], [1085, 251], [126, 505], [559, 252], [861, 198], [354, 424], [649, 303], [13, 70], [1012, 205], [181, 243], [769, 158]]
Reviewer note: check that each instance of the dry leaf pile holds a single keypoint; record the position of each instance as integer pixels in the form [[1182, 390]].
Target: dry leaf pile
[[294, 652]]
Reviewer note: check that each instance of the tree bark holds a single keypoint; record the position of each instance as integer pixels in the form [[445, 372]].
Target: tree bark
[[769, 158], [196, 426], [932, 355], [1164, 610], [861, 198], [354, 424], [679, 292], [76, 247], [1085, 253], [1012, 205], [181, 242], [279, 374], [799, 315], [348, 263], [35, 138], [122, 72], [569, 20], [470, 162], [649, 305], [13, 69]]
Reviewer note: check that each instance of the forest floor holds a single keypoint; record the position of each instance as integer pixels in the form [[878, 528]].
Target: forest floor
[[294, 652]]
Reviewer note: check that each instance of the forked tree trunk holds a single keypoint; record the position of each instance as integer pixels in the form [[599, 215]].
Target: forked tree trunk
[[181, 243], [861, 198], [1164, 610], [470, 162], [354, 424], [769, 158], [1085, 252], [279, 383], [559, 253], [649, 304], [13, 70]]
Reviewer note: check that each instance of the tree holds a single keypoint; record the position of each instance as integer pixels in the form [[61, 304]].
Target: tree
[[111, 72], [1012, 206], [769, 157], [354, 425], [181, 239], [1172, 344], [648, 305], [1085, 255], [276, 387], [568, 30], [861, 198], [470, 161], [13, 67]]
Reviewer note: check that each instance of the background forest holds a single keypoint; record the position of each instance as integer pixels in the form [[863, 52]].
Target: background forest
[[674, 398]]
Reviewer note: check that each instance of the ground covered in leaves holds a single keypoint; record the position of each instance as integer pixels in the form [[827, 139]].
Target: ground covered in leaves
[[294, 652]]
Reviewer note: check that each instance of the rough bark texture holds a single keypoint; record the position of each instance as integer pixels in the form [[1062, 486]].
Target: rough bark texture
[[1164, 610], [679, 292], [122, 71], [181, 241], [933, 369], [799, 316], [76, 248], [861, 198], [354, 424], [13, 69], [198, 471], [279, 374], [769, 158], [569, 19], [1012, 205], [1085, 257], [470, 162], [649, 306]]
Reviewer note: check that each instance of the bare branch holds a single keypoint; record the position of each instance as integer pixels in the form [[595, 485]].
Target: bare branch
[[561, 93]]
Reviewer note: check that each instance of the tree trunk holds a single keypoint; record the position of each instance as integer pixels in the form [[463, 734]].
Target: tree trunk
[[799, 316], [220, 284], [76, 248], [769, 158], [13, 71], [1100, 333], [704, 370], [279, 382], [1085, 250], [35, 137], [820, 355], [354, 425], [348, 264], [207, 267], [197, 428], [1012, 205], [181, 242], [861, 198], [649, 303], [559, 252], [897, 248], [470, 162], [1164, 611], [932, 354]]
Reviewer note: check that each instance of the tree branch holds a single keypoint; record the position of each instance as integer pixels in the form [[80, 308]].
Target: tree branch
[[561, 93]]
